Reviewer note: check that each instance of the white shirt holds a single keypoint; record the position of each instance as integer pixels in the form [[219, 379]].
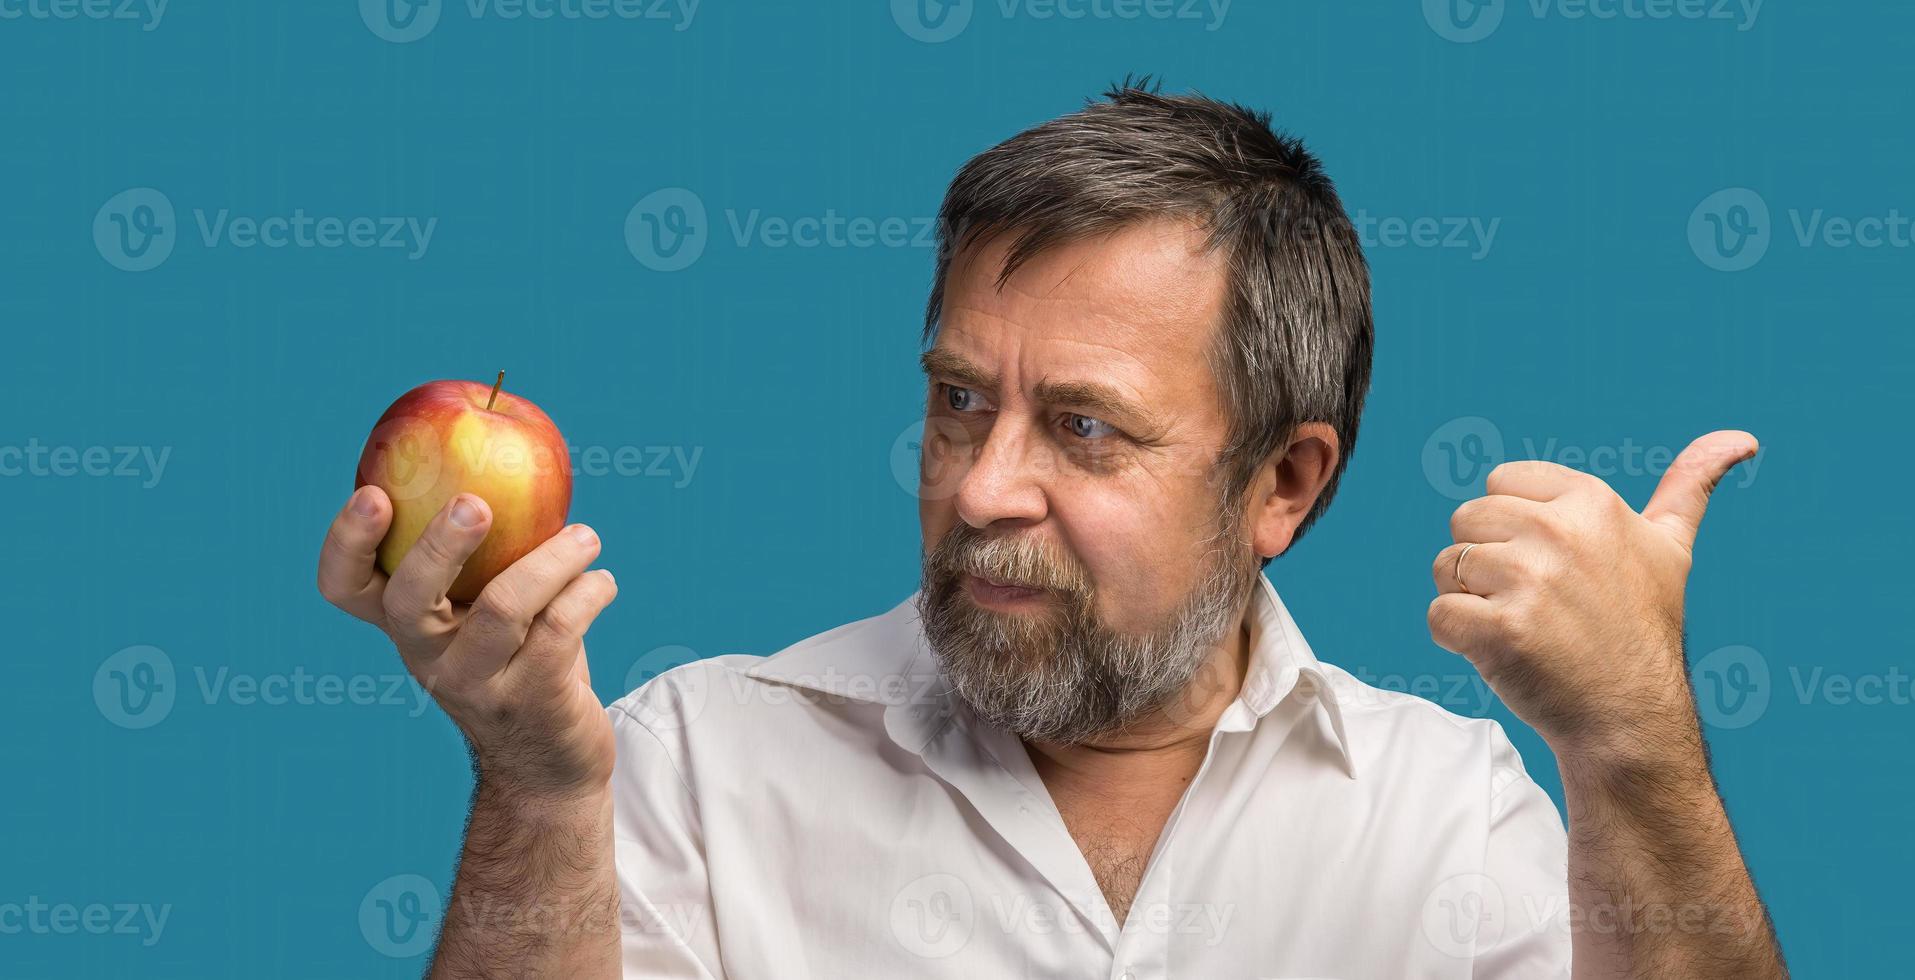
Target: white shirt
[[833, 812]]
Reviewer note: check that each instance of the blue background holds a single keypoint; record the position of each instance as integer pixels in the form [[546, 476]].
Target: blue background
[[1591, 321]]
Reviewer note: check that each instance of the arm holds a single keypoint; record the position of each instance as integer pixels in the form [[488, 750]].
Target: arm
[[1654, 871], [536, 893], [1570, 605]]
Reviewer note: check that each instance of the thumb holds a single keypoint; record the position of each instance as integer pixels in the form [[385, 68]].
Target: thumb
[[1683, 493]]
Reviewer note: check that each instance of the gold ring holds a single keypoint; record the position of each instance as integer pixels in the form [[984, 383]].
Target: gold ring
[[1459, 567]]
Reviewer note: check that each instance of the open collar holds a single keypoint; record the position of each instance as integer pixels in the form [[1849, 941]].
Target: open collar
[[885, 660]]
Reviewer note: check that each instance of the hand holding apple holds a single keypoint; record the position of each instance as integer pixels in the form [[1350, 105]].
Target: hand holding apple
[[453, 489], [449, 437]]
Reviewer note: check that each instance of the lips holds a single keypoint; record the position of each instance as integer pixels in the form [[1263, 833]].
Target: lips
[[1005, 583]]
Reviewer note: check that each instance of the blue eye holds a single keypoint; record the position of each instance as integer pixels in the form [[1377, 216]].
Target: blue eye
[[960, 399], [1085, 427]]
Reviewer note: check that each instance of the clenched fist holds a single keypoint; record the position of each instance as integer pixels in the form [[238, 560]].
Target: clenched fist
[[1569, 603]]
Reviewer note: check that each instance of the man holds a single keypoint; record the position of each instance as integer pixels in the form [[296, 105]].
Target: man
[[1095, 743]]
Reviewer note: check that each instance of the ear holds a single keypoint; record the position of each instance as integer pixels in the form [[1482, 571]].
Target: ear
[[1287, 486]]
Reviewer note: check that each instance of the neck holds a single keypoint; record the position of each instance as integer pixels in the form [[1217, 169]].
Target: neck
[[1169, 741]]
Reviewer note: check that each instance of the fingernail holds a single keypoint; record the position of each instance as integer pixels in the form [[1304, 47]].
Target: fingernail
[[465, 513], [584, 535], [364, 503], [608, 575]]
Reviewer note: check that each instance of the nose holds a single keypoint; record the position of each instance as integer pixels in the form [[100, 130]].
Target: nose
[[1003, 483]]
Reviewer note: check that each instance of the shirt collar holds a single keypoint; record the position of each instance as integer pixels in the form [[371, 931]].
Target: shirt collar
[[885, 660]]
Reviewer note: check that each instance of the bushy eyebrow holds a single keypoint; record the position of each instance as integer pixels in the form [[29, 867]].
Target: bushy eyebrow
[[1090, 397]]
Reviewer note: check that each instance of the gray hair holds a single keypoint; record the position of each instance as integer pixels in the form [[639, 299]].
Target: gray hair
[[1296, 339]]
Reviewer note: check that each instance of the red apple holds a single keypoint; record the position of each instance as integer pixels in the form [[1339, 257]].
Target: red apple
[[444, 438]]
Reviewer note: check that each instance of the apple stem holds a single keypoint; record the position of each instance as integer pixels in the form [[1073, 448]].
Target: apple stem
[[496, 385]]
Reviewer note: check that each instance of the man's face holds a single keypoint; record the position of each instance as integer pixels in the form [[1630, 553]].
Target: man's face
[[1080, 561]]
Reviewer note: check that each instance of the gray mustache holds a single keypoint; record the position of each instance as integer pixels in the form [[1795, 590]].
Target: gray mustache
[[1020, 561]]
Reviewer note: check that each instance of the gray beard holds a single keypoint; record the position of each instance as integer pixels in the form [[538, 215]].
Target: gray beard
[[1062, 675]]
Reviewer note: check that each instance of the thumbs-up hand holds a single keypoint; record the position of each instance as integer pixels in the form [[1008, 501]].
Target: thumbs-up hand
[[1569, 603]]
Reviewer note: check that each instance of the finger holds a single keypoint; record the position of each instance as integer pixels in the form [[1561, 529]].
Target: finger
[[349, 575], [1498, 517], [1534, 479], [1488, 569], [1683, 493], [500, 617], [416, 606], [558, 633], [1462, 623]]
